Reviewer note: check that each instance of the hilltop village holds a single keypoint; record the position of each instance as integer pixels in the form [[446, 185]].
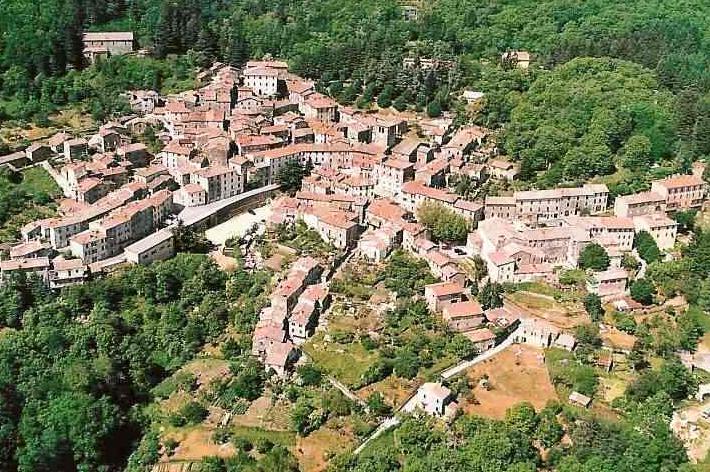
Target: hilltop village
[[373, 187]]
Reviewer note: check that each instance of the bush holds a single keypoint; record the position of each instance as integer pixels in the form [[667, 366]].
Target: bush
[[642, 291], [593, 306], [170, 445], [647, 247], [491, 296], [685, 220], [444, 224], [220, 436], [305, 417], [624, 322], [376, 404], [342, 337], [593, 257], [310, 374], [336, 403], [565, 370], [263, 445], [376, 372], [180, 381], [242, 444], [193, 412], [368, 343], [433, 109], [406, 364], [572, 277]]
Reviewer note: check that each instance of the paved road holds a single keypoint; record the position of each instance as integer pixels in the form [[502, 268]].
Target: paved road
[[447, 374], [384, 426]]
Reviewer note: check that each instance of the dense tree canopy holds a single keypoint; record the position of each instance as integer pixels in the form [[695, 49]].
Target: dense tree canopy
[[444, 223], [576, 120], [647, 247], [593, 257], [81, 360]]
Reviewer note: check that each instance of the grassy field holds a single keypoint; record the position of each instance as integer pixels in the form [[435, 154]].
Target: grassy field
[[15, 133], [346, 362], [314, 450], [361, 320], [255, 434], [40, 187], [36, 180], [394, 389]]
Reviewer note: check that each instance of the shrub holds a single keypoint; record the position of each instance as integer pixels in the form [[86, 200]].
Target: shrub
[[642, 291], [193, 412], [594, 257], [647, 247], [310, 374]]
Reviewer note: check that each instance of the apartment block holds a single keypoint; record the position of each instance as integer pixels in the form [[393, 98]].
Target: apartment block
[[537, 206], [218, 182], [681, 191]]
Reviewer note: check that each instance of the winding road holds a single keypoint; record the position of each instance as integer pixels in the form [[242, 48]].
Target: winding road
[[394, 420]]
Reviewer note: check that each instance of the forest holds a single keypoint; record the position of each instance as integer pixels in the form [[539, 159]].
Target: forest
[[76, 367]]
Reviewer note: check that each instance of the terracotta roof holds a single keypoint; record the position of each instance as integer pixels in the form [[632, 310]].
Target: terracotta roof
[[398, 164], [443, 289], [641, 197], [88, 236], [611, 274], [500, 164], [680, 181], [278, 353], [259, 71], [500, 201], [463, 309], [29, 247], [175, 148], [28, 263], [270, 64], [480, 335], [467, 205], [59, 263], [417, 188], [192, 188]]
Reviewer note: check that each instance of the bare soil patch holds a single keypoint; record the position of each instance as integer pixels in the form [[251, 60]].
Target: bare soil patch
[[263, 414], [314, 451], [395, 390], [547, 308], [196, 443], [518, 374]]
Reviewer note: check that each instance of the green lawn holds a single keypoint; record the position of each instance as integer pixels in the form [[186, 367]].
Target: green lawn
[[36, 180], [532, 301], [346, 362], [254, 434], [383, 443], [42, 191]]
